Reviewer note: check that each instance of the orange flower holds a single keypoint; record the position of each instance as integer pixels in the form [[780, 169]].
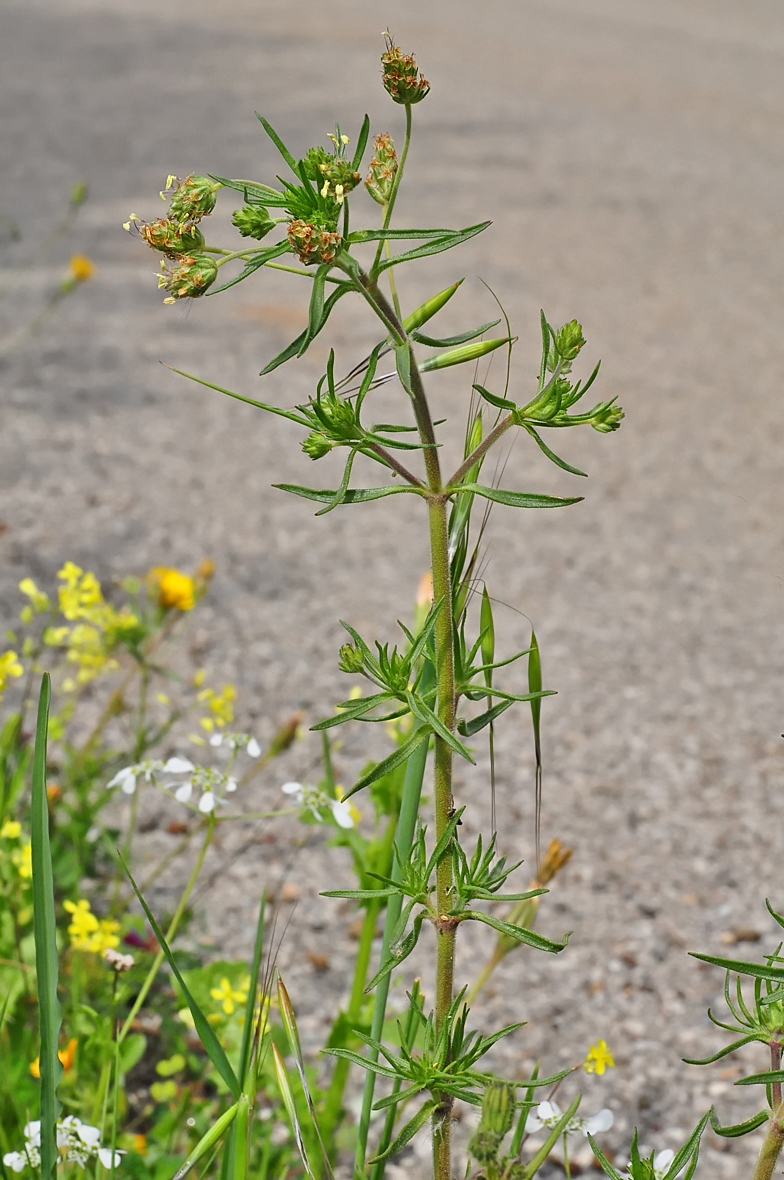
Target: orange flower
[[67, 1057], [81, 268], [174, 589]]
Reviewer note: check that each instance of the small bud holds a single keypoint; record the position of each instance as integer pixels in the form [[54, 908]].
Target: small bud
[[339, 178], [190, 278], [253, 221], [193, 198], [169, 237], [569, 340], [383, 167], [350, 659], [498, 1107], [607, 418], [312, 244], [402, 81], [316, 445]]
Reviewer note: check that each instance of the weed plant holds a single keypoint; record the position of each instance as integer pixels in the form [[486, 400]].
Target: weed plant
[[230, 1067]]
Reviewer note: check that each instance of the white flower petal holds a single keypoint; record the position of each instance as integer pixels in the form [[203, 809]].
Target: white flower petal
[[548, 1110], [598, 1122], [533, 1124], [90, 1136], [32, 1133], [253, 748], [341, 809], [178, 766], [105, 1156], [128, 785], [216, 739], [15, 1160], [120, 777], [663, 1159], [183, 793], [231, 785], [292, 788], [207, 802]]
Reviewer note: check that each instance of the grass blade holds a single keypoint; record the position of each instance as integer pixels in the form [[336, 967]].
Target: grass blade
[[535, 685], [46, 963], [284, 1085], [253, 990], [207, 1141]]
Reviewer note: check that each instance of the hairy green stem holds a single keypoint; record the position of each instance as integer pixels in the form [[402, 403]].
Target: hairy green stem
[[771, 1146]]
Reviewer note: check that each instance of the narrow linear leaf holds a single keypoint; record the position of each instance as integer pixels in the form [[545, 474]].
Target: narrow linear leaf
[[262, 192], [316, 309], [255, 263], [756, 970], [430, 307], [551, 455], [408, 1132], [362, 139], [207, 1141], [44, 931], [279, 144], [340, 494], [465, 354], [518, 933], [721, 1053], [388, 235], [250, 1004], [738, 1129], [516, 499], [759, 1079], [290, 414], [500, 403], [398, 756], [535, 1164], [450, 341], [284, 1085], [214, 1049], [435, 246], [352, 496], [293, 349], [360, 894]]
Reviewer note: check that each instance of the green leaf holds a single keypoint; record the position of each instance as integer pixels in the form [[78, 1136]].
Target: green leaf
[[469, 728], [290, 414], [360, 894], [342, 491], [500, 403], [387, 235], [759, 1079], [721, 1053], [44, 930], [430, 307], [253, 264], [535, 686], [442, 847], [250, 1004], [352, 496], [213, 1136], [263, 194], [401, 754], [279, 144], [518, 933], [362, 139], [435, 246], [551, 454], [449, 341], [286, 1093], [757, 970], [408, 1132], [205, 1030], [535, 1164], [426, 714], [738, 1129], [516, 499], [316, 310]]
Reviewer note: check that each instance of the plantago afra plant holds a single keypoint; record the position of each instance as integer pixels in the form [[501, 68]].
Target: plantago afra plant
[[442, 682]]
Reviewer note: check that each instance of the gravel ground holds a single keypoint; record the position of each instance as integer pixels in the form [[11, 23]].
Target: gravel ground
[[630, 155]]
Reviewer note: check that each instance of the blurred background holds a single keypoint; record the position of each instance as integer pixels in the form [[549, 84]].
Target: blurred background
[[630, 155]]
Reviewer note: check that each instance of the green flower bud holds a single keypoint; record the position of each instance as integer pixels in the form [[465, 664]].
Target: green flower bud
[[314, 158], [498, 1108], [483, 1146], [253, 221], [311, 243], [569, 340], [339, 179], [190, 278], [350, 659], [170, 238], [402, 81], [316, 445], [383, 167], [192, 199], [607, 418]]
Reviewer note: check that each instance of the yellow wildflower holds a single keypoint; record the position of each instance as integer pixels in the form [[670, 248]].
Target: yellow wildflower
[[39, 602], [79, 593], [598, 1058], [81, 268], [23, 859], [228, 996], [172, 588], [67, 1057], [140, 1144], [9, 667], [220, 704], [89, 933], [10, 829]]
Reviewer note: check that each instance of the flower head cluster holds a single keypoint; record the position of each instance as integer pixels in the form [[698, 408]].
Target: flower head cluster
[[178, 237], [382, 170], [167, 236], [98, 627], [148, 769], [191, 199], [188, 278], [311, 243], [401, 78], [253, 221], [89, 933], [212, 784], [547, 1114], [344, 813], [39, 602], [221, 706], [171, 588], [77, 1143], [118, 960]]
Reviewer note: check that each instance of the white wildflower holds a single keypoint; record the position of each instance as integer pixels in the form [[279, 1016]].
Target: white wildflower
[[316, 800], [547, 1114], [77, 1143], [118, 960], [148, 770], [236, 741]]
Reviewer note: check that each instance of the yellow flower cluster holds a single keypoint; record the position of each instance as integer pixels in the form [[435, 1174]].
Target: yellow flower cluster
[[89, 933], [10, 668], [39, 601], [21, 857], [98, 626], [220, 705]]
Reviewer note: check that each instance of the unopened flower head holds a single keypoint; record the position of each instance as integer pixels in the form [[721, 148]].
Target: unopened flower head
[[189, 278], [192, 198], [382, 169], [118, 960], [350, 659], [607, 418], [338, 178], [80, 268], [171, 588], [311, 243], [401, 78], [253, 221]]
